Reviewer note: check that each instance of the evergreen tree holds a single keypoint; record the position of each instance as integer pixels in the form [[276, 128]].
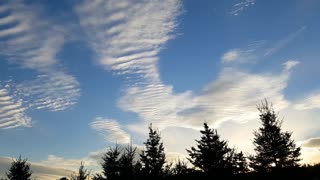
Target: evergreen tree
[[153, 158], [212, 155], [240, 163], [83, 173], [127, 162], [110, 164], [137, 168], [19, 170], [273, 148]]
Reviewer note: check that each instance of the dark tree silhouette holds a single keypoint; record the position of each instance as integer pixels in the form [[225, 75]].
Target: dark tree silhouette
[[127, 162], [97, 177], [240, 163], [111, 164], [180, 168], [137, 168], [211, 155], [153, 157], [273, 148], [19, 170], [83, 173]]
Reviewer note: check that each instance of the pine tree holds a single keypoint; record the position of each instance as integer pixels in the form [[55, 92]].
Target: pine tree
[[212, 155], [19, 170], [83, 173], [153, 158], [273, 148], [110, 164], [240, 163], [127, 162]]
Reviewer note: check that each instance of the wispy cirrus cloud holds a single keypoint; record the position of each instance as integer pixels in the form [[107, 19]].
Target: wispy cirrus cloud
[[240, 6], [31, 42], [246, 54], [258, 50], [284, 41], [111, 129]]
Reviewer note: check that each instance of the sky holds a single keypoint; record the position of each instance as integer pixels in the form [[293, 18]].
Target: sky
[[77, 77]]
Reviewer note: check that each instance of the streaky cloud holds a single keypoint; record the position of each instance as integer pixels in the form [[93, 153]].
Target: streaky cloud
[[240, 6], [111, 129], [284, 42], [30, 41], [12, 110]]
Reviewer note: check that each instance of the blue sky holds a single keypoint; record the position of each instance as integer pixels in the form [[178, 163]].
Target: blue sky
[[78, 76]]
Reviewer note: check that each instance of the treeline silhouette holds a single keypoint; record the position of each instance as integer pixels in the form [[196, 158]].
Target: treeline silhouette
[[276, 156]]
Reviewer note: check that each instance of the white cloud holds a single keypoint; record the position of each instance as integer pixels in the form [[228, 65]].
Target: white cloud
[[310, 102], [247, 54], [12, 111], [55, 92], [30, 42], [231, 55], [240, 6], [128, 35], [111, 129], [232, 96], [290, 64], [71, 164]]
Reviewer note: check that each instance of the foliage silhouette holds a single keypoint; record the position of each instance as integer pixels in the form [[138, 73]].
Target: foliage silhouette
[[212, 155], [127, 164], [153, 157], [274, 149], [111, 164], [19, 170]]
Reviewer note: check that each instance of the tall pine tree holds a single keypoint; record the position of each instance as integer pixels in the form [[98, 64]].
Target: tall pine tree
[[211, 155], [153, 157], [110, 163], [273, 148], [127, 162]]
